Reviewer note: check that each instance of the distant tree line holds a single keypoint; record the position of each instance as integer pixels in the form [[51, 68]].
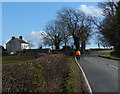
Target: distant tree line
[[69, 24]]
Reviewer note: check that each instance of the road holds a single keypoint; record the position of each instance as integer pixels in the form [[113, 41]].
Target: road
[[102, 73]]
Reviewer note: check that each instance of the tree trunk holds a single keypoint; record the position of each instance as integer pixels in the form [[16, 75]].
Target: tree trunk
[[83, 45], [77, 43], [52, 46], [57, 46], [65, 45], [98, 45]]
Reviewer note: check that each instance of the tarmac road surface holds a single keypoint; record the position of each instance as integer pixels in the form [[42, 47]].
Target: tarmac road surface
[[101, 73]]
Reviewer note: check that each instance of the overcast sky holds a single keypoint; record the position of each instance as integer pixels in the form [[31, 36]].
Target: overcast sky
[[28, 19]]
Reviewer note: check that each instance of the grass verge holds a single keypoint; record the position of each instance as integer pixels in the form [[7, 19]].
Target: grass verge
[[109, 56], [72, 83], [14, 59], [38, 69]]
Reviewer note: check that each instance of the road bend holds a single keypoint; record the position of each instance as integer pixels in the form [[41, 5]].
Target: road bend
[[102, 73]]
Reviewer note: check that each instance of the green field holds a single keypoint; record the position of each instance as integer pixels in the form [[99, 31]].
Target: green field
[[15, 59]]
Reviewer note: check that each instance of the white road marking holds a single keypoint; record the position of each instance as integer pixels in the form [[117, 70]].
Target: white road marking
[[113, 66], [87, 82]]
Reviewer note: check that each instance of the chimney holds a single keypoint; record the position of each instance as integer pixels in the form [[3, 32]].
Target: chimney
[[13, 37], [20, 37]]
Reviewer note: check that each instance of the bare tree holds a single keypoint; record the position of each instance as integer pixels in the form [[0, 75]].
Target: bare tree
[[100, 40], [64, 32], [48, 41], [86, 33], [78, 25], [54, 34]]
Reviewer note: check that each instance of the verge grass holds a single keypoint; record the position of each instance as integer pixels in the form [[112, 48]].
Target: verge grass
[[72, 83], [38, 69], [109, 56]]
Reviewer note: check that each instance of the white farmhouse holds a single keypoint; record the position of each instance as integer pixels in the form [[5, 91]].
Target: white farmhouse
[[16, 44]]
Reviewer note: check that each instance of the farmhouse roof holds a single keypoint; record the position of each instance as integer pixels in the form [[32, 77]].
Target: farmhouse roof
[[19, 39]]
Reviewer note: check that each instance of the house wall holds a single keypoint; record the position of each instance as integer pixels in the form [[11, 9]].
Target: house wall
[[24, 46], [13, 46]]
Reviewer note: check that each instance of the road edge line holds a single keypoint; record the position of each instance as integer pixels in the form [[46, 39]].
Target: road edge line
[[86, 80]]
